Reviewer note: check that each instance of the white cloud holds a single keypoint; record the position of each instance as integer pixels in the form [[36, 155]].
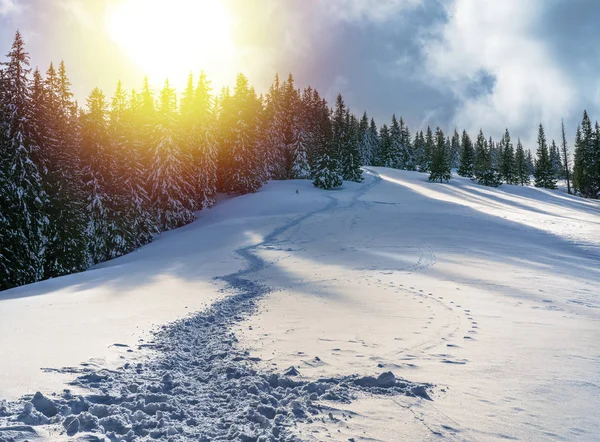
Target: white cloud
[[497, 38], [8, 7], [370, 10]]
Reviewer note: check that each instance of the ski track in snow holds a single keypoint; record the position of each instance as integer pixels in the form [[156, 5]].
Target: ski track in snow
[[198, 384]]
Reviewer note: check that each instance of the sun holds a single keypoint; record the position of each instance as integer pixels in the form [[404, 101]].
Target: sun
[[171, 38]]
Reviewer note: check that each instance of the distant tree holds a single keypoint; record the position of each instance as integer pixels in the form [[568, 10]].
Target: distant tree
[[455, 150], [530, 162], [565, 155], [521, 169], [394, 155], [484, 172], [440, 164], [507, 159], [385, 143], [544, 171], [467, 156], [556, 161]]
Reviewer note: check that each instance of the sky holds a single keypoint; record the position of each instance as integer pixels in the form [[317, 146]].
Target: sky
[[468, 64]]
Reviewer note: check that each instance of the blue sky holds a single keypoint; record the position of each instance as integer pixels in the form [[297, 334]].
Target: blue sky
[[465, 63]]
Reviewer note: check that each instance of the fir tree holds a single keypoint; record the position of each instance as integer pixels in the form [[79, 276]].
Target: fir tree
[[385, 145], [300, 155], [455, 150], [530, 163], [105, 239], [171, 195], [565, 157], [467, 156], [440, 164], [408, 154], [521, 168], [544, 172], [507, 159], [428, 147], [67, 250], [364, 146], [484, 172], [394, 155], [240, 168], [556, 161], [350, 167], [23, 220]]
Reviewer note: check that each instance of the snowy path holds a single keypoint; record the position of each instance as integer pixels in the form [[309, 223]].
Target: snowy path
[[489, 294], [198, 385]]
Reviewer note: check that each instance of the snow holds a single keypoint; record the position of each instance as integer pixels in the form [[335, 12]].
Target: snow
[[484, 300]]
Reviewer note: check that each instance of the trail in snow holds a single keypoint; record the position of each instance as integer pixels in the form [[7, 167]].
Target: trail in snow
[[198, 384]]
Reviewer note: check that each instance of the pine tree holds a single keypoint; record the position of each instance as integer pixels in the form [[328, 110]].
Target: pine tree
[[565, 155], [351, 170], [171, 195], [507, 159], [326, 174], [556, 161], [440, 164], [408, 154], [199, 142], [467, 156], [521, 168], [530, 163], [544, 172], [428, 147], [300, 155], [105, 238], [128, 188], [67, 250], [385, 145], [455, 150], [364, 146], [240, 168], [484, 172], [394, 155], [23, 221]]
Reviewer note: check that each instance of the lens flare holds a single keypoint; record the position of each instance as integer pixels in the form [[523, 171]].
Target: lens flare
[[173, 38]]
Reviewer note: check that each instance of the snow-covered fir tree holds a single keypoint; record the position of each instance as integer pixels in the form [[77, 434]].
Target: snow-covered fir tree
[[440, 169], [105, 238], [521, 168], [455, 150], [506, 159], [483, 171], [67, 249], [544, 172], [555, 159], [365, 145], [23, 220], [393, 157], [350, 157], [171, 195], [467, 156], [200, 144], [240, 167], [564, 150], [326, 174], [300, 167]]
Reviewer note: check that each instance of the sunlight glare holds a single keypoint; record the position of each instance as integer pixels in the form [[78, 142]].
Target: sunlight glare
[[172, 38]]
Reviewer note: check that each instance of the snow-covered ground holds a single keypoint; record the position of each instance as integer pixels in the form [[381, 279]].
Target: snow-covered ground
[[491, 295]]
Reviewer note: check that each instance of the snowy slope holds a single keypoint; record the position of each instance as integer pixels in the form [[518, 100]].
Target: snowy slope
[[490, 294]]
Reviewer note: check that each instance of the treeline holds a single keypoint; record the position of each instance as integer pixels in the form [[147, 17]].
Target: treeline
[[80, 186]]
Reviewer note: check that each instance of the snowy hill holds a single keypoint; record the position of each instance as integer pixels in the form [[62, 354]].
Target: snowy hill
[[489, 295]]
